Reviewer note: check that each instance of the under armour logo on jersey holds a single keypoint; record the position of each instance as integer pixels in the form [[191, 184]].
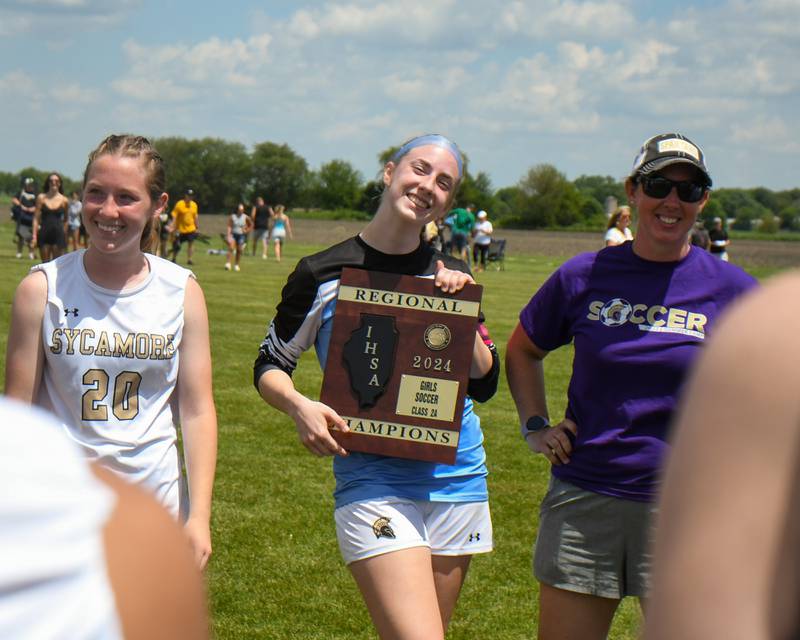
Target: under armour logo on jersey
[[381, 528], [474, 537], [73, 311]]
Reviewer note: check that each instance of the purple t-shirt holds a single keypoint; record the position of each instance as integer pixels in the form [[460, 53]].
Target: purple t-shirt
[[638, 326]]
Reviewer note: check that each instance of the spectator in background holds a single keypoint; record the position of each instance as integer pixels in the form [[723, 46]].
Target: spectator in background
[[280, 227], [719, 240], [699, 236], [74, 222], [463, 221], [618, 230], [239, 225], [23, 209], [261, 214], [185, 220], [445, 225], [50, 218], [483, 237], [430, 235]]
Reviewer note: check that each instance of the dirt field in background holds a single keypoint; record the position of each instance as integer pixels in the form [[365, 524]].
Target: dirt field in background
[[775, 254], [772, 254]]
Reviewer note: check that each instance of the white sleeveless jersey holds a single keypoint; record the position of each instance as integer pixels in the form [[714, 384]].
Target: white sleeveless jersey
[[112, 367], [53, 575]]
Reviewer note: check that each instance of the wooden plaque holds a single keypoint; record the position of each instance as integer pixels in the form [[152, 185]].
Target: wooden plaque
[[398, 364]]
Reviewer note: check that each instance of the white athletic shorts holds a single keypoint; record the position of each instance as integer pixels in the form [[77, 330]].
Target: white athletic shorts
[[370, 528]]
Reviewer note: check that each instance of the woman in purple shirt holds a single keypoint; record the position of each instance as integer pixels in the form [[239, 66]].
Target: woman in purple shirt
[[638, 314]]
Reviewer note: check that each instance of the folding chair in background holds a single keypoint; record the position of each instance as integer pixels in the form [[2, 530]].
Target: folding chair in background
[[497, 253]]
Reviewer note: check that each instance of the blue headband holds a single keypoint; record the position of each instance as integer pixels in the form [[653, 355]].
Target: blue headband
[[434, 139]]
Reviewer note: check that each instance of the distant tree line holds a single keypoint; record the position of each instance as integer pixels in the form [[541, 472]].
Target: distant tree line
[[224, 173]]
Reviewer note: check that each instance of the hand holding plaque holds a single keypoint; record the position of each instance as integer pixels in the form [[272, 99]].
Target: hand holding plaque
[[398, 364]]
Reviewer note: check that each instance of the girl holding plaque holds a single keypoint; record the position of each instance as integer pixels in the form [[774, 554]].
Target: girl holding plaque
[[407, 529]]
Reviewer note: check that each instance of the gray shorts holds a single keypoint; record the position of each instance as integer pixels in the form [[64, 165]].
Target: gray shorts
[[594, 544], [25, 231]]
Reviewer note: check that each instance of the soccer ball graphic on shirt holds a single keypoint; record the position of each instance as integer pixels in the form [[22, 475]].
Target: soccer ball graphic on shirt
[[615, 312]]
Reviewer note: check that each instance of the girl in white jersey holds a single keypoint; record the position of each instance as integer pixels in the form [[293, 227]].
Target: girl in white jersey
[[115, 341]]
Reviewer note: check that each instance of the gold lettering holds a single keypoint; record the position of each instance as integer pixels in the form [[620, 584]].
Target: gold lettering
[[635, 317], [651, 315], [676, 319], [84, 348], [57, 345], [594, 310], [123, 348], [142, 344], [72, 335], [157, 346], [103, 347], [696, 322]]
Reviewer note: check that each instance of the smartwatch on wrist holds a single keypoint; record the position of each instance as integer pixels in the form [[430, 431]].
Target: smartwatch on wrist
[[533, 424]]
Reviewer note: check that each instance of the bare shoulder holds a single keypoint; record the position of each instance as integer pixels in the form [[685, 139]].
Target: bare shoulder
[[762, 325], [32, 291]]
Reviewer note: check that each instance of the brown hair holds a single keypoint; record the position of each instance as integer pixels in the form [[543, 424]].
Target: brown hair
[[132, 146], [612, 221], [46, 185]]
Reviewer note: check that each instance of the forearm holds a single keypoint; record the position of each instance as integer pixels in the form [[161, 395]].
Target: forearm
[[525, 375], [277, 389], [481, 358], [200, 450]]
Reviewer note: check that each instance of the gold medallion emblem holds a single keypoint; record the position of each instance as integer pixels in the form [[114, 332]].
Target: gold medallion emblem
[[437, 337]]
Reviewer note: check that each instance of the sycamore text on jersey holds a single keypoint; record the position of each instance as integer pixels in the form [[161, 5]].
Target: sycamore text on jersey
[[142, 346]]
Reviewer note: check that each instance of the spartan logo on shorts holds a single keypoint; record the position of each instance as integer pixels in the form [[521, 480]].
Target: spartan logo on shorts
[[381, 528], [615, 312]]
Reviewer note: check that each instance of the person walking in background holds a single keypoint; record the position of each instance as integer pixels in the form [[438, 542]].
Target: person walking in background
[[23, 209], [74, 222], [143, 365], [638, 314], [462, 222], [280, 227], [185, 217], [618, 230], [482, 239], [719, 240], [435, 517], [50, 218], [699, 236], [239, 225], [261, 214]]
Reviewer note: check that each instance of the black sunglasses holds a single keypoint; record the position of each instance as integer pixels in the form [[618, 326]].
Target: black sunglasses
[[660, 187]]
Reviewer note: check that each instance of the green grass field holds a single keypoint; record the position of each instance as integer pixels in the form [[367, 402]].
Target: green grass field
[[276, 571]]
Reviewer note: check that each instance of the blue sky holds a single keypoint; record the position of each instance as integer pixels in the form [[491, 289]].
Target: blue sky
[[575, 84]]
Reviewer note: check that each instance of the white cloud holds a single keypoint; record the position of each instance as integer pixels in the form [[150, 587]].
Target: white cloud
[[555, 18], [181, 72], [770, 132]]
